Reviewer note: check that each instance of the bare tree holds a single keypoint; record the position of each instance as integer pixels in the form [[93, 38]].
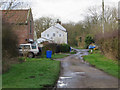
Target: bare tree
[[13, 4], [93, 20], [42, 24], [25, 52]]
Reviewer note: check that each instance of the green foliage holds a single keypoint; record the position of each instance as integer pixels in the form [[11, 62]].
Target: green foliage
[[9, 41], [88, 40], [56, 55], [21, 59], [109, 44], [34, 73], [64, 48], [50, 46], [108, 65], [72, 52], [77, 47], [59, 55], [80, 39], [56, 48], [9, 46]]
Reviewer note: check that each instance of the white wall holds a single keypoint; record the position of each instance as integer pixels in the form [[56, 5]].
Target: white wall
[[35, 35], [60, 36]]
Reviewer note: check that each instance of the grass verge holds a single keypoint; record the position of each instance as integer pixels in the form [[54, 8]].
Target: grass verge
[[72, 52], [34, 73], [57, 55], [101, 62], [78, 47]]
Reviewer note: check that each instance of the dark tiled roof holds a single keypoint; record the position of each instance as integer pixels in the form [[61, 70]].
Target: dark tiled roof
[[15, 16]]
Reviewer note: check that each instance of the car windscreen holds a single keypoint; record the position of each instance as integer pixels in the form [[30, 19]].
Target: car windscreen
[[24, 47]]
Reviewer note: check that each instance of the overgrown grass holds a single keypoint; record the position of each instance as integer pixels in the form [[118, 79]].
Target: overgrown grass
[[100, 61], [34, 73]]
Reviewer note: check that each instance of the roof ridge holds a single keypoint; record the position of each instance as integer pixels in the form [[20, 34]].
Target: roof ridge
[[59, 27]]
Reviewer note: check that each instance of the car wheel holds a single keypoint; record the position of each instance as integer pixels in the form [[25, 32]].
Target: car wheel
[[30, 55]]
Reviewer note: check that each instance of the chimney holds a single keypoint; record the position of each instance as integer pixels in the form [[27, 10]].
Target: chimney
[[58, 21]]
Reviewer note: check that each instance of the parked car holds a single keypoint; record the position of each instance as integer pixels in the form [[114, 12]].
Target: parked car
[[30, 49]]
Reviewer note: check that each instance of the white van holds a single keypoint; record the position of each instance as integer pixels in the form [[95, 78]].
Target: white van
[[30, 49]]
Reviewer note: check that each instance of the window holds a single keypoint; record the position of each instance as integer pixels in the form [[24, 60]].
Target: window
[[27, 46], [24, 47], [59, 35], [47, 35], [33, 47], [53, 34]]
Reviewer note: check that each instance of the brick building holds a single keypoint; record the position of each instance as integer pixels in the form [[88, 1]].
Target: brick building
[[22, 23]]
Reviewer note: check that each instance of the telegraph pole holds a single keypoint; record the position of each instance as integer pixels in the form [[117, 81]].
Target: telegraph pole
[[119, 34], [103, 16], [119, 15]]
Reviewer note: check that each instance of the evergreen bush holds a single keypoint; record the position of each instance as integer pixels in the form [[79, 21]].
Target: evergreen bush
[[88, 40], [64, 48]]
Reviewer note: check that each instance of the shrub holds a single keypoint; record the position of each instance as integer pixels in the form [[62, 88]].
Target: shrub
[[50, 46], [108, 44], [9, 46], [58, 48], [55, 48], [9, 41], [64, 48], [88, 40]]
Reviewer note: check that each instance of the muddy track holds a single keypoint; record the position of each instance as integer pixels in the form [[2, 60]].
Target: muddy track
[[75, 73]]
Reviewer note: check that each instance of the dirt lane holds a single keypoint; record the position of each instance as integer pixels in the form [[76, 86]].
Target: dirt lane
[[76, 73]]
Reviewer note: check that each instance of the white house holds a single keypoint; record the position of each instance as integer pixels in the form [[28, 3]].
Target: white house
[[55, 34]]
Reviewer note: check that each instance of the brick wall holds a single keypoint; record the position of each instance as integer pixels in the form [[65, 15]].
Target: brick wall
[[22, 33], [19, 17]]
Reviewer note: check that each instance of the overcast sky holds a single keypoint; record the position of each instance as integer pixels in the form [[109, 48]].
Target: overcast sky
[[65, 10]]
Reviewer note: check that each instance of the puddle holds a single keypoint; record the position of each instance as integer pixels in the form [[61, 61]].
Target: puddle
[[65, 77], [62, 82], [61, 85], [76, 57], [69, 76], [78, 73]]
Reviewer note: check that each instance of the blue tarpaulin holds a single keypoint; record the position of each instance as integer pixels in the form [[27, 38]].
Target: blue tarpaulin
[[91, 47]]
